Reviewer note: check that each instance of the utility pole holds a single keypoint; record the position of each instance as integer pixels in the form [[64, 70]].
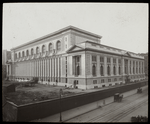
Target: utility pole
[[60, 93]]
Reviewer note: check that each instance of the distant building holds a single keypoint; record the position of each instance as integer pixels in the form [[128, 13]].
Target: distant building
[[145, 63], [6, 55], [72, 56]]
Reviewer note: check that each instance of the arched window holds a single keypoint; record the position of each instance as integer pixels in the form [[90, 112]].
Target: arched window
[[37, 50], [94, 70], [78, 70], [50, 47], [108, 70], [43, 49], [114, 69], [27, 53], [32, 52], [19, 55], [22, 53], [101, 70], [58, 45], [119, 70]]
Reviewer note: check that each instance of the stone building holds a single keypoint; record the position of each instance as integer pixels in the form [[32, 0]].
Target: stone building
[[145, 63], [74, 57], [6, 55]]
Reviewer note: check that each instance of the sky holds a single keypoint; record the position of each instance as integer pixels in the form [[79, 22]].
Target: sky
[[121, 25]]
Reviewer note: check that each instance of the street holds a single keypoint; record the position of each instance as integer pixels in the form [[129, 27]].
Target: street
[[134, 105]]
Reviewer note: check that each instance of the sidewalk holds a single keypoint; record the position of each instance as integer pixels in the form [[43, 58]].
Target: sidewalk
[[91, 114]]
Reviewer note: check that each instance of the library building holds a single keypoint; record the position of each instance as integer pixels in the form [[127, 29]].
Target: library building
[[73, 57]]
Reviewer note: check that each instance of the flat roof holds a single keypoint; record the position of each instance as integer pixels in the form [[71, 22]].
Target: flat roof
[[58, 32]]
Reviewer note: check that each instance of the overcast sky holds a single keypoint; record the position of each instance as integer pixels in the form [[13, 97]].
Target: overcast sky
[[121, 25]]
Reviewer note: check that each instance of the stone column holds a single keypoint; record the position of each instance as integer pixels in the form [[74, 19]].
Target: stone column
[[131, 67], [52, 69], [141, 67], [32, 62], [36, 68], [39, 68], [50, 74], [98, 66], [135, 67], [122, 65], [48, 68], [128, 67], [10, 70], [45, 69], [33, 65], [138, 66], [90, 65], [111, 66], [30, 69], [58, 68], [25, 63], [105, 66], [117, 67], [43, 63]]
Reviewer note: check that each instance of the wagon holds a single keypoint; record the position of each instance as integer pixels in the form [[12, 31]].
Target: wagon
[[139, 90], [118, 97]]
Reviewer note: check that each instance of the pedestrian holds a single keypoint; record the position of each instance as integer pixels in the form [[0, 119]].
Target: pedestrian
[[56, 81]]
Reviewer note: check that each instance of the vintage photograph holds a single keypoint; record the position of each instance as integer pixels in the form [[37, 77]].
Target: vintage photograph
[[75, 62]]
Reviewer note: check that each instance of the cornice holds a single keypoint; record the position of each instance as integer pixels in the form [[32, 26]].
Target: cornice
[[61, 31]]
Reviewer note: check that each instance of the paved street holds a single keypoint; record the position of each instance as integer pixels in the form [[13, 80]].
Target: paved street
[[134, 105]]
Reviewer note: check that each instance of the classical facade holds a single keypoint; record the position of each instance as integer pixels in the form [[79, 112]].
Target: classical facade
[[72, 56]]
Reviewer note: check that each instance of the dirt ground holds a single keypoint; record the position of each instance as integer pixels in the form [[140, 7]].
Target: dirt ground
[[38, 92]]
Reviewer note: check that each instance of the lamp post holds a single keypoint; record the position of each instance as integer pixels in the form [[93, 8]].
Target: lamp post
[[60, 93]]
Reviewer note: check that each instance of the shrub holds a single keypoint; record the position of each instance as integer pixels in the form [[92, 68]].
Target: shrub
[[35, 79]]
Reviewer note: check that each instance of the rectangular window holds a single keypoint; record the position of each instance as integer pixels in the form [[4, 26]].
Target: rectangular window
[[108, 60], [109, 80], [101, 59], [95, 87], [102, 81], [93, 58], [101, 70], [66, 65], [115, 79], [94, 65], [94, 81], [119, 61], [114, 60], [93, 44]]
